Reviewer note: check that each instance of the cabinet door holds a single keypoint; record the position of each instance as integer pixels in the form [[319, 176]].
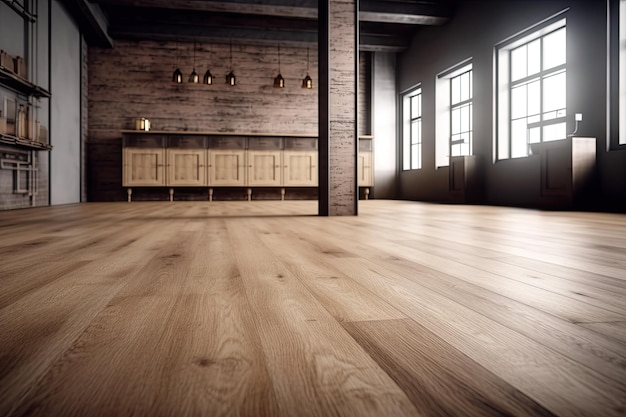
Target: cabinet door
[[365, 169], [264, 168], [186, 167], [300, 168], [143, 167], [227, 167]]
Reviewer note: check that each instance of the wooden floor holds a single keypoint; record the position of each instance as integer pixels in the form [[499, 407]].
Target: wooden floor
[[252, 309]]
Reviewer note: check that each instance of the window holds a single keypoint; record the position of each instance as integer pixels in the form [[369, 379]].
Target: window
[[531, 90], [454, 94], [412, 129], [461, 114]]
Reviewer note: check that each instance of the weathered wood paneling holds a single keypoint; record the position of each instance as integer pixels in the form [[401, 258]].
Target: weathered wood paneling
[[364, 93], [343, 55], [134, 80]]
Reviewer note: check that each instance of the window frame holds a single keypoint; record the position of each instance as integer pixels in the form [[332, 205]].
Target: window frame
[[411, 138], [469, 102], [443, 115], [503, 145]]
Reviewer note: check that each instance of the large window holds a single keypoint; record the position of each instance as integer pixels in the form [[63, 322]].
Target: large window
[[531, 95], [412, 129], [454, 93]]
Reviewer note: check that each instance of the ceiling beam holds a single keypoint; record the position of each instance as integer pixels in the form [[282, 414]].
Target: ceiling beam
[[297, 9], [407, 19], [91, 20]]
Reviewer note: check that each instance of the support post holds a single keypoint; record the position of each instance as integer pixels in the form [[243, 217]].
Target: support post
[[338, 64]]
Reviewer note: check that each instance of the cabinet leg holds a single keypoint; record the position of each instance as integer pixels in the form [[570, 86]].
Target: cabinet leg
[[367, 193], [171, 194], [129, 191], [249, 194], [210, 194], [282, 194]]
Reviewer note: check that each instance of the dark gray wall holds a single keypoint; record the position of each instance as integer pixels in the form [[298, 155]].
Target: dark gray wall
[[65, 170], [476, 27]]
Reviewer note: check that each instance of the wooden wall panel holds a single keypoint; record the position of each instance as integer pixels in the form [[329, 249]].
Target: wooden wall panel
[[343, 56], [134, 80], [364, 93]]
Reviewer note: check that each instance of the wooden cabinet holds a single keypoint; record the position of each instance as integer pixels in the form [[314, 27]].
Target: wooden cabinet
[[187, 167], [212, 160], [567, 170], [464, 185], [366, 177], [264, 168], [300, 169], [144, 167], [365, 165], [227, 167]]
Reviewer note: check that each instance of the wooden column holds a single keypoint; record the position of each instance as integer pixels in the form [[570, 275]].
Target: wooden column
[[338, 63]]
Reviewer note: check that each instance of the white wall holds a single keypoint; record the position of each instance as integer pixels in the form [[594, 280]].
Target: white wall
[[65, 63]]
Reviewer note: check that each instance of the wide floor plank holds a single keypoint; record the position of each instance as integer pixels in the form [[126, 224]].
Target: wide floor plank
[[439, 379]]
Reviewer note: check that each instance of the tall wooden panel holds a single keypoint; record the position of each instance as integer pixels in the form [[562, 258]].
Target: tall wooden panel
[[338, 116]]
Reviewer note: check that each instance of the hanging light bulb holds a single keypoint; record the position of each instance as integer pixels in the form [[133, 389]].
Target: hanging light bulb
[[230, 78], [194, 78], [307, 82], [177, 77], [279, 81], [208, 78]]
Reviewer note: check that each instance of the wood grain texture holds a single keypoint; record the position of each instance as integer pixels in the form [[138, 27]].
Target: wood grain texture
[[342, 112], [439, 380], [311, 359], [264, 309]]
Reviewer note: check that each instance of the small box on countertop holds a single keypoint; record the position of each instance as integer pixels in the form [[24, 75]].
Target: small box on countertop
[[6, 60], [43, 135]]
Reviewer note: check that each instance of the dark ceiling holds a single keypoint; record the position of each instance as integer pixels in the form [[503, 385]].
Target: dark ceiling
[[384, 25]]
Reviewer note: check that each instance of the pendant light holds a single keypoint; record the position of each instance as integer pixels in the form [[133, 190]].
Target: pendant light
[[230, 78], [177, 77], [208, 77], [279, 81], [307, 82], [194, 78]]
